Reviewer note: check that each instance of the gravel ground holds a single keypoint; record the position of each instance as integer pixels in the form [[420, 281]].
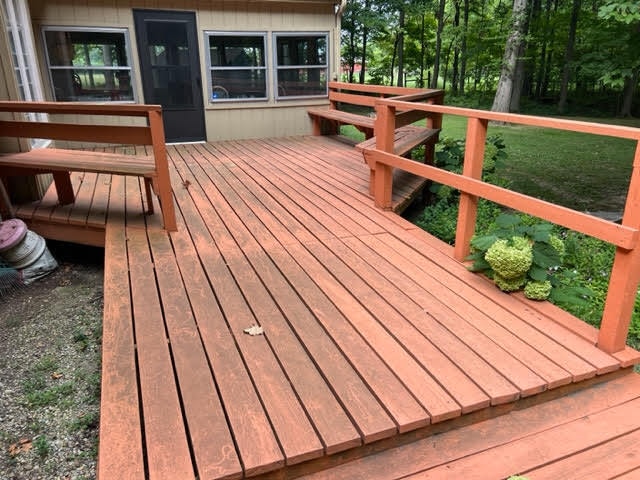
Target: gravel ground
[[50, 333]]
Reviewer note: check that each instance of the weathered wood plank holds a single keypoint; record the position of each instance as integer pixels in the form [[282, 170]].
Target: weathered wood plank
[[432, 452], [556, 443], [166, 441], [247, 304], [607, 460], [390, 285], [254, 441], [209, 435], [120, 429]]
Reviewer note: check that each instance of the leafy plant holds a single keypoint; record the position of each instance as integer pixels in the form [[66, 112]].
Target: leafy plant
[[517, 254]]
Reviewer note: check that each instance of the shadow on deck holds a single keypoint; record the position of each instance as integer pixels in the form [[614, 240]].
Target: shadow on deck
[[375, 339]]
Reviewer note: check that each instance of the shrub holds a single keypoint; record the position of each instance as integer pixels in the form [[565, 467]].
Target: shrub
[[516, 254]]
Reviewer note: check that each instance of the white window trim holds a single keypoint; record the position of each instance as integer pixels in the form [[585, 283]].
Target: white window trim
[[26, 71], [276, 67], [127, 40], [266, 68]]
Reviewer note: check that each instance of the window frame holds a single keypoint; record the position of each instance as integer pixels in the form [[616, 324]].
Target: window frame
[[127, 47], [277, 67], [26, 70], [265, 68]]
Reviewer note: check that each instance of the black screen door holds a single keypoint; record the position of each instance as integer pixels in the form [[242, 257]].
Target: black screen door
[[170, 63]]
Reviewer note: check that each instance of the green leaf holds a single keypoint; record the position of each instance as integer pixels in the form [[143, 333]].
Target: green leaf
[[480, 265], [538, 274], [541, 232], [545, 256], [570, 295], [506, 220], [483, 242]]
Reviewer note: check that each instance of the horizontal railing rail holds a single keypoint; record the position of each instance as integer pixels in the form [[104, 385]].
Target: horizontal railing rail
[[625, 274]]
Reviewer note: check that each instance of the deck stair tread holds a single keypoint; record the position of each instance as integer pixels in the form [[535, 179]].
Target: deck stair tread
[[532, 441]]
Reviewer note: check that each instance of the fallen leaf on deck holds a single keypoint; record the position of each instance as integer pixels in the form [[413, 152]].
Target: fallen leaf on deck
[[21, 446], [254, 330]]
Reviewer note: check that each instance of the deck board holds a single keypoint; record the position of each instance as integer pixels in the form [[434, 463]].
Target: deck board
[[374, 337]]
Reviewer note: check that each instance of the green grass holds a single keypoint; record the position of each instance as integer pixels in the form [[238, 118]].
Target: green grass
[[579, 171]]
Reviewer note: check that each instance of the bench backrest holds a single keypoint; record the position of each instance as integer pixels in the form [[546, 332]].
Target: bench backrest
[[86, 131], [366, 95]]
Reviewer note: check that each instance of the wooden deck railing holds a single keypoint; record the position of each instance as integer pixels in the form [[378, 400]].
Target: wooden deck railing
[[625, 274]]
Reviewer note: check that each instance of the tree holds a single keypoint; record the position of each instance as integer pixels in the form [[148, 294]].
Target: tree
[[568, 56], [625, 15], [502, 100], [436, 60]]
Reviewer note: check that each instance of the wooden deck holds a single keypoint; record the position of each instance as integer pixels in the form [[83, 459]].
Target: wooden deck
[[375, 339]]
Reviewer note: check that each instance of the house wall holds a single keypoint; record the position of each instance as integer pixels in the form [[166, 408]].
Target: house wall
[[223, 121]]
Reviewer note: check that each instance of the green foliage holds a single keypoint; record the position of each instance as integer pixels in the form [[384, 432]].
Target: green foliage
[[42, 446], [517, 253]]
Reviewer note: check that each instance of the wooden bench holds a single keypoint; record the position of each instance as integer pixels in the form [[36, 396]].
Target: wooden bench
[[59, 162], [327, 121]]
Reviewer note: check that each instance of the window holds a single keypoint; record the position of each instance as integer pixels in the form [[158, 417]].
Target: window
[[24, 62], [237, 67], [301, 64], [89, 65]]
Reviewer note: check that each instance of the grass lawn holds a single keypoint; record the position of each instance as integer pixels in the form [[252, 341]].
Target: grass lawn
[[579, 171], [576, 170]]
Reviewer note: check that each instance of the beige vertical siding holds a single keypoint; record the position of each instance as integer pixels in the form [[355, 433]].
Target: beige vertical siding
[[234, 120]]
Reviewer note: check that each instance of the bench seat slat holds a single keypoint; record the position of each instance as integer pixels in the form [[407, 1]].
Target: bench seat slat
[[342, 117], [49, 159], [405, 139]]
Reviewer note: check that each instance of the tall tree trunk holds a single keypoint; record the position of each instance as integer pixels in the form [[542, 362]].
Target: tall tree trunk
[[502, 99], [365, 37], [568, 57], [363, 64], [456, 49], [393, 59], [463, 61], [630, 85], [423, 52], [519, 74], [542, 63], [436, 60], [401, 48]]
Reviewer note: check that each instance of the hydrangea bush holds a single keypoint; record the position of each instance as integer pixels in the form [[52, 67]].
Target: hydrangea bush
[[520, 256]]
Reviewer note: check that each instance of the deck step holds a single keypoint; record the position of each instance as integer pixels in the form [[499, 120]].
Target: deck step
[[406, 139], [588, 435]]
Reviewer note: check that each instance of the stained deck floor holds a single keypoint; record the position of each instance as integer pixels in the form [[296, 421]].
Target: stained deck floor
[[373, 336]]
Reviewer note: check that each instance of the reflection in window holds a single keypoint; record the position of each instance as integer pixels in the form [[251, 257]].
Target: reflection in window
[[170, 64], [237, 66], [301, 68], [89, 65]]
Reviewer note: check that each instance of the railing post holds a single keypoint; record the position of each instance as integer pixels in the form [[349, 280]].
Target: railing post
[[625, 275], [473, 159], [382, 175]]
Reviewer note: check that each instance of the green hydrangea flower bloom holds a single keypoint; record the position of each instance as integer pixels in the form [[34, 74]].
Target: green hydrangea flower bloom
[[537, 290], [509, 284], [510, 259]]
